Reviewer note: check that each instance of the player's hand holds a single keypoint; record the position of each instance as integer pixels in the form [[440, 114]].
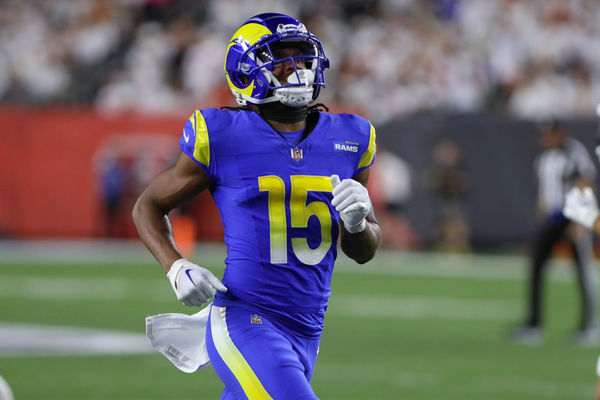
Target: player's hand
[[581, 206], [351, 200], [193, 284]]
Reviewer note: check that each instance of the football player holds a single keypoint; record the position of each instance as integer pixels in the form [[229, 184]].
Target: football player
[[288, 179]]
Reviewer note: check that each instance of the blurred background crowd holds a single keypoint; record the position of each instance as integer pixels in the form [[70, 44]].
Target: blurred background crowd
[[527, 58]]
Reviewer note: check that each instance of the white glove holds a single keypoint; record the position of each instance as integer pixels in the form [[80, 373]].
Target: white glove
[[581, 206], [193, 284], [351, 200]]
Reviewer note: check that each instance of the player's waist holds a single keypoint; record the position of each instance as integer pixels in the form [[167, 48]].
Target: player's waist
[[291, 299], [306, 323]]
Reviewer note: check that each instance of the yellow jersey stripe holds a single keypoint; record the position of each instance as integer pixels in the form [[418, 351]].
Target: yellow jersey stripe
[[367, 157], [248, 380], [201, 145]]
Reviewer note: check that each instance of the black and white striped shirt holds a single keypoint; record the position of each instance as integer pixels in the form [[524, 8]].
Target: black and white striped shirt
[[557, 171]]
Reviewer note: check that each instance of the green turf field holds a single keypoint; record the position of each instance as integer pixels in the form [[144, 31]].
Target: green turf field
[[412, 326]]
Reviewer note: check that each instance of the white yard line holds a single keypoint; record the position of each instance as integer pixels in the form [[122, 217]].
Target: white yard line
[[377, 375], [55, 288], [522, 384], [389, 307], [515, 386], [84, 252], [89, 288], [102, 288], [27, 340], [38, 340], [459, 266], [387, 263]]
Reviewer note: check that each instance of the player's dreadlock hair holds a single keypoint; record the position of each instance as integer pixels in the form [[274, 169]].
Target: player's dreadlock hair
[[239, 108], [318, 107]]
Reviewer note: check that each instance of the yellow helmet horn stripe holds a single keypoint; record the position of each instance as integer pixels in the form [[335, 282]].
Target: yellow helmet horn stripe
[[251, 33]]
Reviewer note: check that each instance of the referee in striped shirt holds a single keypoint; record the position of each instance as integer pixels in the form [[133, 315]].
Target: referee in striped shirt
[[563, 163]]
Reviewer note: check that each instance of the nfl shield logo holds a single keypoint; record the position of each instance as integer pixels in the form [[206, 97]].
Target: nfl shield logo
[[296, 154], [255, 319]]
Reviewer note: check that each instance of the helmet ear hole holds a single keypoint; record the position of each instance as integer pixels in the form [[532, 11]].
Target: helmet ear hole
[[240, 80], [244, 80]]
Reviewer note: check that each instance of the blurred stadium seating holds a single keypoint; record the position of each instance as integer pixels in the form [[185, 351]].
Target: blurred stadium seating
[[527, 58]]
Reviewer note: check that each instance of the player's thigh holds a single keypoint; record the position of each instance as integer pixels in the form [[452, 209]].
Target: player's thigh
[[253, 359]]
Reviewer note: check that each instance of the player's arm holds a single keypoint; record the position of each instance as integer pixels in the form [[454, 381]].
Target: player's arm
[[360, 231], [193, 285], [168, 190]]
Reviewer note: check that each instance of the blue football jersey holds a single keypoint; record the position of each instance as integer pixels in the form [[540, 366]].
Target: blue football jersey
[[274, 198]]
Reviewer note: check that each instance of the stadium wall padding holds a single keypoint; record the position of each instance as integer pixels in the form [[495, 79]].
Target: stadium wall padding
[[50, 161]]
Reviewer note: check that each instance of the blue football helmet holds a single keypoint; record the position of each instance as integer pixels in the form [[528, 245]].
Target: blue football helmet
[[252, 56]]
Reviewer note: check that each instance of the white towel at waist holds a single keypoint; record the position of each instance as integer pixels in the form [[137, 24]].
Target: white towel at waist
[[181, 338]]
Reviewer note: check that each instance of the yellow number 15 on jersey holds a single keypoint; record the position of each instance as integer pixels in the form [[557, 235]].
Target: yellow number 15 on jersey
[[300, 213]]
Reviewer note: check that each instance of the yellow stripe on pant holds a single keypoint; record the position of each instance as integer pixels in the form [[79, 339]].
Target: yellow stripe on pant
[[248, 380]]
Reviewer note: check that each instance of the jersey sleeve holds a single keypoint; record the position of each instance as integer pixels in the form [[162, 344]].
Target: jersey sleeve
[[368, 149], [195, 142]]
